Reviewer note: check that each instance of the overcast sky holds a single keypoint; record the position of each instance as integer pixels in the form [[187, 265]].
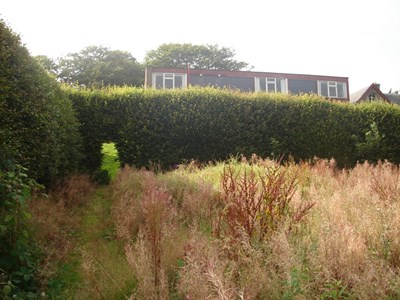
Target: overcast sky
[[351, 38]]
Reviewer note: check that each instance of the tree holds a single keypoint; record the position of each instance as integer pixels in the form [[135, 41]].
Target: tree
[[210, 57], [47, 63], [100, 66]]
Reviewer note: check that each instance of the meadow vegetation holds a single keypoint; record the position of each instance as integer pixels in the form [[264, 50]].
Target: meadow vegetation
[[240, 229]]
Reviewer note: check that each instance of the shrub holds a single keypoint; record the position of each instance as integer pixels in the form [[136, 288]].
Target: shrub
[[101, 177], [168, 127], [38, 126], [18, 257]]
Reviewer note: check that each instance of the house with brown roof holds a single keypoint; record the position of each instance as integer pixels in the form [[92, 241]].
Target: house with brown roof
[[332, 87], [374, 93]]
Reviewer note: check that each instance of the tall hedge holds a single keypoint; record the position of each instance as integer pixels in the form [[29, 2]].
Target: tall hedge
[[38, 126], [168, 127]]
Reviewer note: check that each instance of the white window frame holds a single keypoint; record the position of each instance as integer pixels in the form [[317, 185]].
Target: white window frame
[[169, 76], [284, 83], [271, 80], [332, 84]]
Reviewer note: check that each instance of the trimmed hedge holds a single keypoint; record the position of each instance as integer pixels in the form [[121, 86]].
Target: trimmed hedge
[[38, 126], [168, 127]]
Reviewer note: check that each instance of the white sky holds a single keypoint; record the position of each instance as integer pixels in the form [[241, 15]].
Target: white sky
[[352, 38]]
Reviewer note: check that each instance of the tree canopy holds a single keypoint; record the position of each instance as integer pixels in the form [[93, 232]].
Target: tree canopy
[[210, 57], [49, 64], [100, 66]]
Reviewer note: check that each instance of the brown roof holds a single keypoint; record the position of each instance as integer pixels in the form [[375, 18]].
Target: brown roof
[[362, 94]]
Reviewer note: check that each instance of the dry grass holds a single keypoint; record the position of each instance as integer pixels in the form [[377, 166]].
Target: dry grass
[[55, 221], [73, 191], [333, 234]]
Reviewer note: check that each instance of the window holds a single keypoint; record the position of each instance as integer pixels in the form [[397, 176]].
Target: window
[[332, 89], [169, 81], [271, 85], [371, 97]]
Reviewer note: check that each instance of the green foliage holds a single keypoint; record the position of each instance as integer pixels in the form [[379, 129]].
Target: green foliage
[[100, 66], [209, 57], [17, 257], [38, 125], [293, 286], [152, 127], [101, 177], [335, 290], [97, 120], [370, 148], [48, 64], [110, 161]]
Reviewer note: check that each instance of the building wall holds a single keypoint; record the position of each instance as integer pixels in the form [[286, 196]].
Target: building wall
[[248, 81]]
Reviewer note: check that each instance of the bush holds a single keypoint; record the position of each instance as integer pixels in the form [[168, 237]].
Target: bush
[[101, 177], [168, 127], [18, 260], [38, 125]]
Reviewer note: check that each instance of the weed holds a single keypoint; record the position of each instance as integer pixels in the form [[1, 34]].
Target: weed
[[259, 202], [335, 290]]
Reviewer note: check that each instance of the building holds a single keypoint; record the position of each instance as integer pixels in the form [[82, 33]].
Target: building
[[393, 97], [332, 87], [373, 93]]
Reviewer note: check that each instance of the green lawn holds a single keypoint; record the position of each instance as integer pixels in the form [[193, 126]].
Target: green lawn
[[110, 159]]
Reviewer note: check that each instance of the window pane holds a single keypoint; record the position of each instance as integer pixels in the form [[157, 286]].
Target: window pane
[[262, 84], [169, 75], [178, 81], [271, 88], [332, 91], [340, 90], [324, 88], [169, 83], [159, 81], [371, 96]]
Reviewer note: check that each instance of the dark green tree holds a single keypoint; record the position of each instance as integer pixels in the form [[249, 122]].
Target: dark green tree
[[210, 57], [100, 66]]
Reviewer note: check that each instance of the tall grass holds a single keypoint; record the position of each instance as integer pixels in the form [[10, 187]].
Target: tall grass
[[337, 235], [194, 233]]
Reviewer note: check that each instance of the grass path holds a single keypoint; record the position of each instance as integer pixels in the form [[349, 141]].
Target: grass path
[[106, 274], [110, 159], [98, 268]]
